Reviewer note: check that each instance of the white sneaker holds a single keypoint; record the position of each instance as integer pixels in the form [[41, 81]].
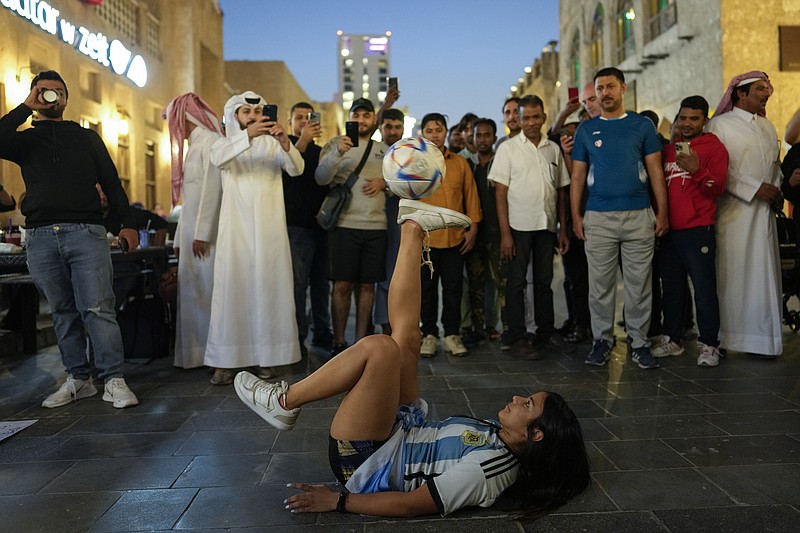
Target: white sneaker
[[454, 345], [709, 355], [666, 347], [263, 399], [430, 345], [70, 391], [118, 393], [430, 217]]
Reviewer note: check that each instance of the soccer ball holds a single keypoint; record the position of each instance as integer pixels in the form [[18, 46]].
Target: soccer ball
[[413, 168]]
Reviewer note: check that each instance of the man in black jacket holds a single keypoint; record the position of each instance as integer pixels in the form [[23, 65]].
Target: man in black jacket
[[307, 240], [67, 249]]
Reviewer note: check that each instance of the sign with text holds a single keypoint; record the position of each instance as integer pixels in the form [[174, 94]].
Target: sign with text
[[96, 46]]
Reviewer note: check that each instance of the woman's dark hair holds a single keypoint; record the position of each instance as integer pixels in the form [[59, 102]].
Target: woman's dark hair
[[436, 117], [554, 469]]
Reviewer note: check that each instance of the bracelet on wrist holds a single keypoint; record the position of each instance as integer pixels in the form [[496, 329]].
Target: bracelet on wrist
[[342, 503]]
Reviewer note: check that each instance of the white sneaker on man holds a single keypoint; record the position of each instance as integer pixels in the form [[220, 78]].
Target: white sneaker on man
[[709, 355], [430, 217], [430, 345], [667, 347], [454, 345], [264, 400], [70, 391], [118, 394]]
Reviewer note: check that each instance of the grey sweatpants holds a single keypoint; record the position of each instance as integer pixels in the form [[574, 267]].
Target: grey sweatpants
[[609, 234]]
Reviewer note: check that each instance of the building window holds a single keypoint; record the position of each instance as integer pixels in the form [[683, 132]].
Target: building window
[[597, 37], [625, 43], [90, 85], [150, 174], [123, 15], [663, 16], [574, 60], [124, 163], [153, 36]]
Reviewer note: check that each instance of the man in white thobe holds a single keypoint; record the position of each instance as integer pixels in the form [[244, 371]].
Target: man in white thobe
[[252, 307], [198, 183], [748, 264]]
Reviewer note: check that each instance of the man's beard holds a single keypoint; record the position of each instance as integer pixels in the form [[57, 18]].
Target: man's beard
[[52, 113]]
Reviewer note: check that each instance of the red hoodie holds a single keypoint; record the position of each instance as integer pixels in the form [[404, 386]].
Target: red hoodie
[[692, 197]]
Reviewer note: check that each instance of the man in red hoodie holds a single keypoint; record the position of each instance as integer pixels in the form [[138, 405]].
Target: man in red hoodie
[[695, 168]]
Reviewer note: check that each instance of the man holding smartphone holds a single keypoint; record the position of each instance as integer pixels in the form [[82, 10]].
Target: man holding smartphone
[[357, 244], [303, 197], [695, 169], [253, 268]]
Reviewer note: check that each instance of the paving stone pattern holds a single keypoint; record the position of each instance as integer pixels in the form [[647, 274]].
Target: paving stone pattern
[[677, 449]]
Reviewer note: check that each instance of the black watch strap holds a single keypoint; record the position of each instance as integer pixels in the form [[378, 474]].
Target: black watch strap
[[340, 505]]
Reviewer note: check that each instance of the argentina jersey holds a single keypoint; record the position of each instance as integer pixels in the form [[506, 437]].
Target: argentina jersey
[[463, 461]]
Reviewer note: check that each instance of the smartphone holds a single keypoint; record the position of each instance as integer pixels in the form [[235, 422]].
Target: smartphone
[[269, 113], [351, 130], [572, 92], [682, 148], [393, 83], [314, 116], [565, 131]]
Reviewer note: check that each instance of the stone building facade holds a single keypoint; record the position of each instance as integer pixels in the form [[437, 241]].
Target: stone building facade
[[122, 60], [670, 49]]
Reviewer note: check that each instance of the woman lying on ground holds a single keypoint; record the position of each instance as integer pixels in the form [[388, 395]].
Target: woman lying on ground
[[393, 462]]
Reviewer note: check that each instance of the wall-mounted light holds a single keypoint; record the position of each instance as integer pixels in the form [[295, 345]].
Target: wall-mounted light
[[21, 69], [121, 120]]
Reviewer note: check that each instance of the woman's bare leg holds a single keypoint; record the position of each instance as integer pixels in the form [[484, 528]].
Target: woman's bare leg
[[405, 298], [379, 372]]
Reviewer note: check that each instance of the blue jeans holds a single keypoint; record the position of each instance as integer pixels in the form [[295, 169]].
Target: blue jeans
[[71, 266], [310, 268], [691, 251]]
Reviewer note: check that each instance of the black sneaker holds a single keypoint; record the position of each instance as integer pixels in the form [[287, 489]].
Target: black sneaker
[[644, 358], [323, 340], [336, 349], [600, 353], [578, 334], [471, 337], [565, 328]]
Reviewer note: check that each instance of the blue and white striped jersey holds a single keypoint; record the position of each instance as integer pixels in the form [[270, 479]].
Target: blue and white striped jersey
[[462, 460]]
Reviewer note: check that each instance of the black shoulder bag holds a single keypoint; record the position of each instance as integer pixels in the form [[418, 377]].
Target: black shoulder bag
[[339, 196]]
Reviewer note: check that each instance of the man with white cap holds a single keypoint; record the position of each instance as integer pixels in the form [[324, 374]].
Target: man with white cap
[[252, 306], [198, 183], [748, 266]]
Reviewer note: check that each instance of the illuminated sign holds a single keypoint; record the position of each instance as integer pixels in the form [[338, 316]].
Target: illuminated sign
[[93, 45]]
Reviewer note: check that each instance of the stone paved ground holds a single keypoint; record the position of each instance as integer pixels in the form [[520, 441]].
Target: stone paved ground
[[677, 449]]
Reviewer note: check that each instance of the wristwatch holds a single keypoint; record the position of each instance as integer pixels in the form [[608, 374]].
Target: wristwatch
[[342, 502]]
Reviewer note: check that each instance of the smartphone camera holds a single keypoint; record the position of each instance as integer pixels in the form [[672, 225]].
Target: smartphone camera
[[314, 117], [572, 93], [351, 130], [269, 113]]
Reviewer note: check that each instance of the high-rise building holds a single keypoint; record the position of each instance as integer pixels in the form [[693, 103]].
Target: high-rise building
[[364, 62]]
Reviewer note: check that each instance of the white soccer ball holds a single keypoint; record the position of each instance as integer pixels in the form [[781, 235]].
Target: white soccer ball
[[413, 168]]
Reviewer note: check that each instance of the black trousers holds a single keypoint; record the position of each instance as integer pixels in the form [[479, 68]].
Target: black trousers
[[448, 266]]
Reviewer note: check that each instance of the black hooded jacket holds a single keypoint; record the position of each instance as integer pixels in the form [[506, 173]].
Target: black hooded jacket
[[61, 162]]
